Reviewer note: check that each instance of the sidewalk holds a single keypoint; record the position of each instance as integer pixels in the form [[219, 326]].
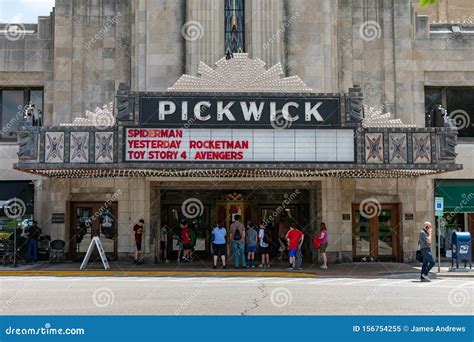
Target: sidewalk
[[122, 268]]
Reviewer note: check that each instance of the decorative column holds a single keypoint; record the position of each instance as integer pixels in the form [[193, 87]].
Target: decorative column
[[203, 33], [266, 25], [312, 43], [155, 221], [157, 45]]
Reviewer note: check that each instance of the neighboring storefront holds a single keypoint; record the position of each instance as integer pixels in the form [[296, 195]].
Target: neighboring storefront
[[458, 198]]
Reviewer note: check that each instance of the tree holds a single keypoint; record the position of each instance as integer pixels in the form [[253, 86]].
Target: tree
[[428, 2]]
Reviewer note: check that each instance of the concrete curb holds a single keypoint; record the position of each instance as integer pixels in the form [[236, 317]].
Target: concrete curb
[[115, 273]]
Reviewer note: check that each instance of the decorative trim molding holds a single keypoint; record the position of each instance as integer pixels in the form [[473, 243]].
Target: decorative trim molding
[[375, 118], [101, 117], [240, 74]]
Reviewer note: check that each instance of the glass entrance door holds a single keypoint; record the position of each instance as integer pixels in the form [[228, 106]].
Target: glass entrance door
[[375, 235], [89, 220]]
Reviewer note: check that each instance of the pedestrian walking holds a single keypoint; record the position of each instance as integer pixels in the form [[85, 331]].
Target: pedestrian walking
[[264, 245], [252, 239], [323, 244], [295, 237], [218, 238], [137, 235], [237, 236], [425, 249], [32, 244]]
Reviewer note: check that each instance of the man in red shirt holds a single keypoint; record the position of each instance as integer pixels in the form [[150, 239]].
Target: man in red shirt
[[295, 239], [185, 239]]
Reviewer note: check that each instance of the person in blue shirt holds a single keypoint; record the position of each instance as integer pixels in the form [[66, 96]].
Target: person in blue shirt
[[218, 238], [251, 237]]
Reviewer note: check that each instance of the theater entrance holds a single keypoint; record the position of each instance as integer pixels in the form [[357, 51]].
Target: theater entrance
[[375, 233], [203, 210], [90, 219]]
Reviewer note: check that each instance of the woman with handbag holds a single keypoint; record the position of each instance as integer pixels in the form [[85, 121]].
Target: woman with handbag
[[322, 241]]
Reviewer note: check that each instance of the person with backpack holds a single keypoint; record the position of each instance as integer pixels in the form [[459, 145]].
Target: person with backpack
[[264, 245], [252, 240], [237, 236], [219, 244], [295, 238]]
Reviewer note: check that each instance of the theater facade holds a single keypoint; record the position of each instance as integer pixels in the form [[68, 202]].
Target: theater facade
[[176, 109]]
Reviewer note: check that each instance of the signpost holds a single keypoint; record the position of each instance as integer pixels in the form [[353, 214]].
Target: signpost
[[439, 211], [95, 241]]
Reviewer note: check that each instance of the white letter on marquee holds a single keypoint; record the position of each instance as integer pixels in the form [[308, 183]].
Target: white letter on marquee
[[197, 110], [286, 113], [313, 111], [184, 110], [165, 108], [252, 111], [272, 111], [221, 111]]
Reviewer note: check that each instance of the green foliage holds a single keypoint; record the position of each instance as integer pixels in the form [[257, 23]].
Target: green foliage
[[428, 2]]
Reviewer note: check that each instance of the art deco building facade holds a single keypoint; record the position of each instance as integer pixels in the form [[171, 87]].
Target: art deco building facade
[[294, 112]]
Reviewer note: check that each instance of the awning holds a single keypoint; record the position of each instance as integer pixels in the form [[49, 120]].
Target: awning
[[458, 195], [234, 171]]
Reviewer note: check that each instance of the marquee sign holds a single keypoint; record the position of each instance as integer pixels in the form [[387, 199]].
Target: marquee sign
[[238, 145], [297, 111]]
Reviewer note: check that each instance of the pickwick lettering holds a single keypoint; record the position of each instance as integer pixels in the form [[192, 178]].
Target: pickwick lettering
[[252, 111]]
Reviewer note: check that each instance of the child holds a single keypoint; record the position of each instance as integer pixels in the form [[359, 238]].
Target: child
[[264, 246], [251, 239], [294, 237]]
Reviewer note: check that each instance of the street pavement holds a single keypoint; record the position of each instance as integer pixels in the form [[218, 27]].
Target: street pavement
[[242, 295]]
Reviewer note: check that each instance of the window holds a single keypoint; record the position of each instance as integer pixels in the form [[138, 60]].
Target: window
[[459, 103], [234, 27], [18, 105]]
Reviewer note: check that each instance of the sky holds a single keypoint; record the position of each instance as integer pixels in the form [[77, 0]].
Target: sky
[[24, 11]]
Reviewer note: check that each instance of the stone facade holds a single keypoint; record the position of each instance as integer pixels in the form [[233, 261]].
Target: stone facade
[[84, 50]]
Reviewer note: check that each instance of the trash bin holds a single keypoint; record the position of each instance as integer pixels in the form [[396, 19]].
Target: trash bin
[[461, 248]]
